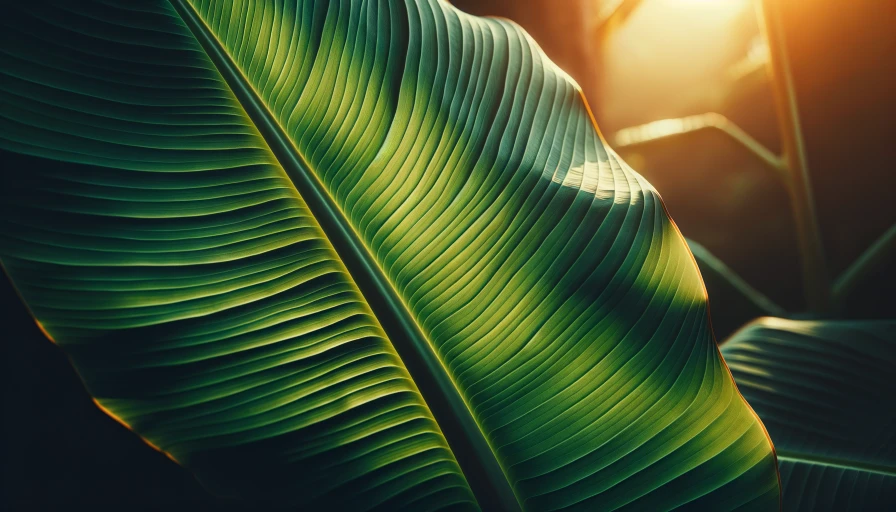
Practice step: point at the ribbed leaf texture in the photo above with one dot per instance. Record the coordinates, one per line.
(825, 391)
(363, 254)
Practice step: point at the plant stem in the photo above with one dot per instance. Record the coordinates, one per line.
(713, 267)
(877, 255)
(665, 128)
(816, 281)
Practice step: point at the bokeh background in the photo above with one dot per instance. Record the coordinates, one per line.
(638, 61)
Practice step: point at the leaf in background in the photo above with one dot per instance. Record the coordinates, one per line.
(293, 245)
(825, 391)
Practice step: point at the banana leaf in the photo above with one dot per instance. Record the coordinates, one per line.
(360, 254)
(826, 393)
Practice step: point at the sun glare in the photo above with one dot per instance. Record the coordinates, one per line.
(674, 56)
(712, 6)
(701, 1)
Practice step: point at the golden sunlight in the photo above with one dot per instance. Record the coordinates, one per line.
(724, 3)
(673, 55)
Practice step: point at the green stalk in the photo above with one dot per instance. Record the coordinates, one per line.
(880, 253)
(816, 281)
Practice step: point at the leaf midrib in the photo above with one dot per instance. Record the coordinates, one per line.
(477, 460)
(837, 463)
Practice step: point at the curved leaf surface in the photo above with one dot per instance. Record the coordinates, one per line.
(825, 392)
(294, 245)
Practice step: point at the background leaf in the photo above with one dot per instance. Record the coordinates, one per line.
(825, 392)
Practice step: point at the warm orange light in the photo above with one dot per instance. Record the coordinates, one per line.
(669, 59)
(44, 331)
(707, 7)
(123, 423)
(721, 2)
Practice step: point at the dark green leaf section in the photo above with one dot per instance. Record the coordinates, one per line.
(825, 391)
(544, 272)
(158, 241)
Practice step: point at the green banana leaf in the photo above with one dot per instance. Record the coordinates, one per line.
(360, 254)
(826, 393)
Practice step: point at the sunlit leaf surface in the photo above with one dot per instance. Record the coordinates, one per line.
(367, 254)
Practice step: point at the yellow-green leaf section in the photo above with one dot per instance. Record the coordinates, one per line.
(547, 308)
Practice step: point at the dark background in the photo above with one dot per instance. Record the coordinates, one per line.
(60, 450)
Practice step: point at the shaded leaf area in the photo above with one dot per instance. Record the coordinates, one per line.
(161, 245)
(825, 391)
(156, 238)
